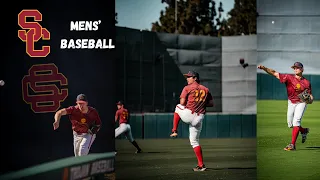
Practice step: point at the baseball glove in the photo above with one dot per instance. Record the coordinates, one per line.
(304, 96)
(93, 129)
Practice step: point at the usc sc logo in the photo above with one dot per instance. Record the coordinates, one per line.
(83, 120)
(34, 34)
(42, 88)
(298, 87)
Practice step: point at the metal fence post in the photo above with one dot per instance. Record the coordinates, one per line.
(154, 73)
(124, 70)
(141, 71)
(164, 82)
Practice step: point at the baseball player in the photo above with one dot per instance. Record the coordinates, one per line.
(193, 102)
(295, 85)
(85, 122)
(123, 115)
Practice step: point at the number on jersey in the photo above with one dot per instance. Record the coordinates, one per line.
(199, 95)
(124, 115)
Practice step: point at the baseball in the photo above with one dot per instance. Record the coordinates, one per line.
(272, 22)
(1, 82)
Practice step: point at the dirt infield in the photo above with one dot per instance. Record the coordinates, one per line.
(174, 159)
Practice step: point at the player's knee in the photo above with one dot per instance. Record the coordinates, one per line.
(176, 110)
(196, 123)
(194, 142)
(130, 138)
(83, 151)
(297, 122)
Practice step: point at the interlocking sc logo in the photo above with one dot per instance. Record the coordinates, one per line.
(34, 34)
(40, 88)
(298, 87)
(83, 121)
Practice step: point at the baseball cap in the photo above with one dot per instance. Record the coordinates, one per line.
(120, 103)
(82, 98)
(191, 74)
(297, 64)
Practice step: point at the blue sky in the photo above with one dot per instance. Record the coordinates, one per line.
(139, 14)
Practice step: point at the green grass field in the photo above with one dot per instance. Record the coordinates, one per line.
(273, 135)
(173, 159)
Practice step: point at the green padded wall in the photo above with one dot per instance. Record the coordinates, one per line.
(269, 87)
(136, 126)
(159, 125)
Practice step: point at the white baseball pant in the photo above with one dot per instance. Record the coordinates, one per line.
(126, 129)
(195, 123)
(82, 143)
(295, 113)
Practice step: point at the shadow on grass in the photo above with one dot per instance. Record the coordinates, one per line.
(312, 148)
(146, 152)
(227, 168)
(315, 147)
(155, 152)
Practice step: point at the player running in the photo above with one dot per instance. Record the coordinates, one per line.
(193, 102)
(123, 115)
(295, 85)
(85, 122)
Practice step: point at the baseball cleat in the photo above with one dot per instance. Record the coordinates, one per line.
(198, 168)
(290, 147)
(304, 135)
(138, 151)
(174, 134)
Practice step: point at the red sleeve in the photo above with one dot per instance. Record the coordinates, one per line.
(284, 78)
(184, 92)
(70, 109)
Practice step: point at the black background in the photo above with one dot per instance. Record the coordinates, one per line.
(28, 138)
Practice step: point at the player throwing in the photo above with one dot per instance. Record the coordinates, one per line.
(194, 99)
(85, 122)
(295, 85)
(123, 115)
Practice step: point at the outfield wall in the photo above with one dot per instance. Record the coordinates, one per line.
(99, 166)
(217, 125)
(269, 87)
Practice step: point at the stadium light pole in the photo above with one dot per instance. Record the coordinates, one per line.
(169, 2)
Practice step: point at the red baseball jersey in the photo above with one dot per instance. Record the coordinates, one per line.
(197, 96)
(294, 86)
(123, 115)
(81, 121)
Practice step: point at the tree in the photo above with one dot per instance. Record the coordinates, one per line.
(197, 17)
(243, 19)
(116, 18)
